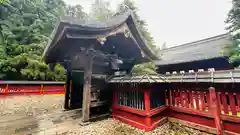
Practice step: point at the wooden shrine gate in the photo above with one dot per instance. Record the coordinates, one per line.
(147, 101)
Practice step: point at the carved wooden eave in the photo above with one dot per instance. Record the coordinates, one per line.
(70, 35)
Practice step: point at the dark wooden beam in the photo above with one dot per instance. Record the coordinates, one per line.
(87, 89)
(68, 85)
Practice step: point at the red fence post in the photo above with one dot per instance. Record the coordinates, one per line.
(202, 107)
(170, 97)
(166, 98)
(41, 89)
(224, 100)
(238, 100)
(181, 98)
(187, 99)
(6, 89)
(197, 99)
(191, 99)
(215, 110)
(232, 103)
(147, 107)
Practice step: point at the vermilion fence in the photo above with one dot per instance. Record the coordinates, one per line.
(31, 87)
(210, 110)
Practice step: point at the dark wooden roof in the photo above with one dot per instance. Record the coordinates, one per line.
(71, 34)
(195, 51)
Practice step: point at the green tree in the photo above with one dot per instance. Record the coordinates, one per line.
(75, 11)
(25, 27)
(100, 11)
(142, 28)
(233, 49)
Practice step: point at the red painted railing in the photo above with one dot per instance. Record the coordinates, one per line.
(138, 106)
(215, 112)
(208, 110)
(30, 87)
(196, 100)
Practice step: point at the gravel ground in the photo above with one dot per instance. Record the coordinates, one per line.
(16, 107)
(114, 127)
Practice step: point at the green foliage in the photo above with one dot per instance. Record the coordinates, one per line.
(141, 24)
(145, 68)
(233, 49)
(25, 27)
(100, 11)
(142, 28)
(3, 1)
(75, 11)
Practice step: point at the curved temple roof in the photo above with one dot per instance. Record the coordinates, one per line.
(71, 34)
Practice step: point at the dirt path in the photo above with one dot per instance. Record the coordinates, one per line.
(115, 127)
(17, 107)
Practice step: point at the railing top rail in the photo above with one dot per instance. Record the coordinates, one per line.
(224, 76)
(30, 82)
(138, 78)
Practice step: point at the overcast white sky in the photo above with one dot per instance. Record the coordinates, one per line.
(177, 21)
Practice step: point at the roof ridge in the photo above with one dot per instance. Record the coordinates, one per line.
(209, 39)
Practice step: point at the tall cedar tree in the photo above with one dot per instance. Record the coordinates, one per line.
(233, 50)
(142, 28)
(25, 26)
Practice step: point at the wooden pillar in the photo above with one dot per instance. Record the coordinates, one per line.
(6, 89)
(171, 97)
(87, 89)
(41, 89)
(68, 87)
(114, 98)
(147, 107)
(215, 110)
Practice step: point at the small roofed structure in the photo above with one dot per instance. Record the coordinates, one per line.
(117, 37)
(201, 54)
(138, 99)
(95, 48)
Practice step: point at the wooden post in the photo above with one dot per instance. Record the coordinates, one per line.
(115, 98)
(191, 99)
(41, 89)
(6, 89)
(87, 89)
(215, 110)
(170, 97)
(68, 87)
(232, 104)
(166, 98)
(147, 107)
